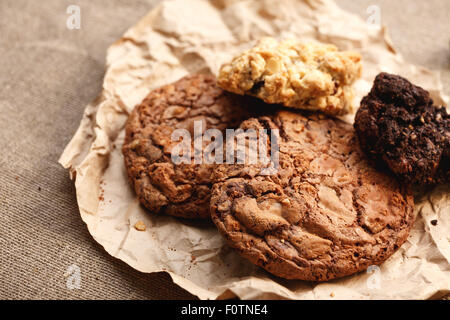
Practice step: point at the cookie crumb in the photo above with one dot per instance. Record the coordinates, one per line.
(332, 294)
(286, 201)
(140, 226)
(434, 222)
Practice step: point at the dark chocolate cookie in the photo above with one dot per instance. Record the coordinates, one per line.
(398, 125)
(326, 213)
(183, 189)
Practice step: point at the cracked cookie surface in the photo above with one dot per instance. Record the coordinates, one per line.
(184, 189)
(325, 214)
(399, 126)
(311, 76)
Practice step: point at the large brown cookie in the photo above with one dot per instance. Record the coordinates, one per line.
(181, 190)
(325, 214)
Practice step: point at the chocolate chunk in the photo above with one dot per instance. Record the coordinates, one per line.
(399, 127)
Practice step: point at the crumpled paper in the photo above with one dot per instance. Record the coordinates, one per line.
(183, 37)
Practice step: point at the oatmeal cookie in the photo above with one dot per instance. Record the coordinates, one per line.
(311, 76)
(399, 127)
(182, 189)
(325, 214)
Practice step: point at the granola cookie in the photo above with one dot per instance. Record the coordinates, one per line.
(399, 127)
(325, 214)
(183, 189)
(311, 76)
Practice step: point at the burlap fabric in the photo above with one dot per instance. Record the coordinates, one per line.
(48, 73)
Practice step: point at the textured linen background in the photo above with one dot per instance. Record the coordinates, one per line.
(48, 74)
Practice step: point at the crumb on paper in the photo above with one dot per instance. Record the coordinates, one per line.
(101, 197)
(140, 226)
(434, 222)
(332, 294)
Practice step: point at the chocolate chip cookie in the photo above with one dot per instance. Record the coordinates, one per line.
(324, 214)
(303, 75)
(399, 127)
(182, 189)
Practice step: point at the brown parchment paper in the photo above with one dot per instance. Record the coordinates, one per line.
(180, 37)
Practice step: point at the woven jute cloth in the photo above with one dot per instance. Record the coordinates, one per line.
(48, 74)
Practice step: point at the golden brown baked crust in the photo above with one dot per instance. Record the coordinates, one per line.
(311, 76)
(325, 214)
